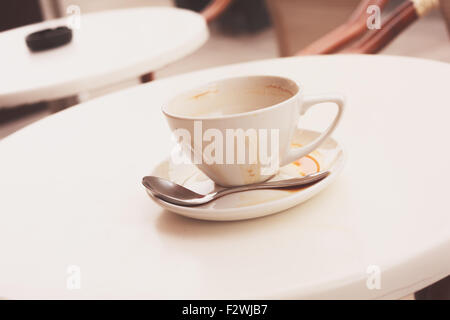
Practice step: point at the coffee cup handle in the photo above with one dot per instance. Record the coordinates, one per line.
(296, 153)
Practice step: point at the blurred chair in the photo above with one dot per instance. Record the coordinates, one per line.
(363, 40)
(445, 7)
(299, 22)
(310, 33)
(352, 28)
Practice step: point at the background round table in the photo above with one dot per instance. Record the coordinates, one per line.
(109, 47)
(71, 195)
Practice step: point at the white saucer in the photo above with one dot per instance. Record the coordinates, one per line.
(255, 203)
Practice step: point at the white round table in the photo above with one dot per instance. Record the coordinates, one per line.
(71, 197)
(109, 47)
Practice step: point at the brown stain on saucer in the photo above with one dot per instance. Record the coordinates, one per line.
(298, 164)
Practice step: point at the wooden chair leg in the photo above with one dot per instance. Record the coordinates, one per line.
(63, 103)
(147, 77)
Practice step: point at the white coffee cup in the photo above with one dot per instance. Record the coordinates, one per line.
(248, 114)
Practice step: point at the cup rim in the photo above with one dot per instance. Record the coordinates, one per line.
(234, 115)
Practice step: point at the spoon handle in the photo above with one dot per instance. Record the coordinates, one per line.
(295, 182)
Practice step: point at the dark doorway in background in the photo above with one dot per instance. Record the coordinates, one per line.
(15, 13)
